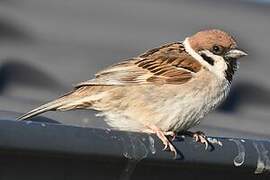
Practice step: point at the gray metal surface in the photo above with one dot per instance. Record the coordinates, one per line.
(52, 151)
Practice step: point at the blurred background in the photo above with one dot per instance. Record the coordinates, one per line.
(48, 46)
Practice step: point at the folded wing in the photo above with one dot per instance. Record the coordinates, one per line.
(168, 64)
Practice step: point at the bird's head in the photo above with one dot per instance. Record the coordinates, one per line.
(216, 50)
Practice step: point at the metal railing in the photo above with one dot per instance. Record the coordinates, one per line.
(57, 150)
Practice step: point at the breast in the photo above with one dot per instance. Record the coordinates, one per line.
(194, 101)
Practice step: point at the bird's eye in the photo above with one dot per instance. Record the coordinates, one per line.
(218, 50)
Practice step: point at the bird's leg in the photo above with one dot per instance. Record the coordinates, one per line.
(170, 133)
(162, 136)
(199, 137)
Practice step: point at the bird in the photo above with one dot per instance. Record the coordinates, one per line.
(163, 91)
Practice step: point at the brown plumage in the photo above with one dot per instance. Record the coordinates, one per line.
(168, 64)
(206, 39)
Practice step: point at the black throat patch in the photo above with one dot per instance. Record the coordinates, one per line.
(208, 59)
(231, 68)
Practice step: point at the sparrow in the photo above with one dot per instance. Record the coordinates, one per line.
(163, 91)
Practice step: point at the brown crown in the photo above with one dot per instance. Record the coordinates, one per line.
(208, 38)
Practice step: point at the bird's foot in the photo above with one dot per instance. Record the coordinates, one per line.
(170, 133)
(199, 137)
(162, 136)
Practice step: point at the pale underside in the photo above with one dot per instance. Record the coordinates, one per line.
(169, 107)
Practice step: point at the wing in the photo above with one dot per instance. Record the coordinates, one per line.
(168, 64)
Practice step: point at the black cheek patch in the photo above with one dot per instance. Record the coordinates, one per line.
(208, 59)
(231, 68)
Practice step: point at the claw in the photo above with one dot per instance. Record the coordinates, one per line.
(170, 133)
(202, 139)
(199, 137)
(165, 147)
(162, 136)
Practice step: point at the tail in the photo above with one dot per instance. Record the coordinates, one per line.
(79, 98)
(51, 106)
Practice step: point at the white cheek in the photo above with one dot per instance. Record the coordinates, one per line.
(219, 66)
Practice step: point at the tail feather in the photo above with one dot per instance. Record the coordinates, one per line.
(50, 106)
(44, 108)
(76, 99)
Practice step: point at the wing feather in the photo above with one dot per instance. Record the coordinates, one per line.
(168, 64)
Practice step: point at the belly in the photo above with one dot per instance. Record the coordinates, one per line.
(171, 108)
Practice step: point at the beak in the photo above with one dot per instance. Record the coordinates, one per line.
(235, 54)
